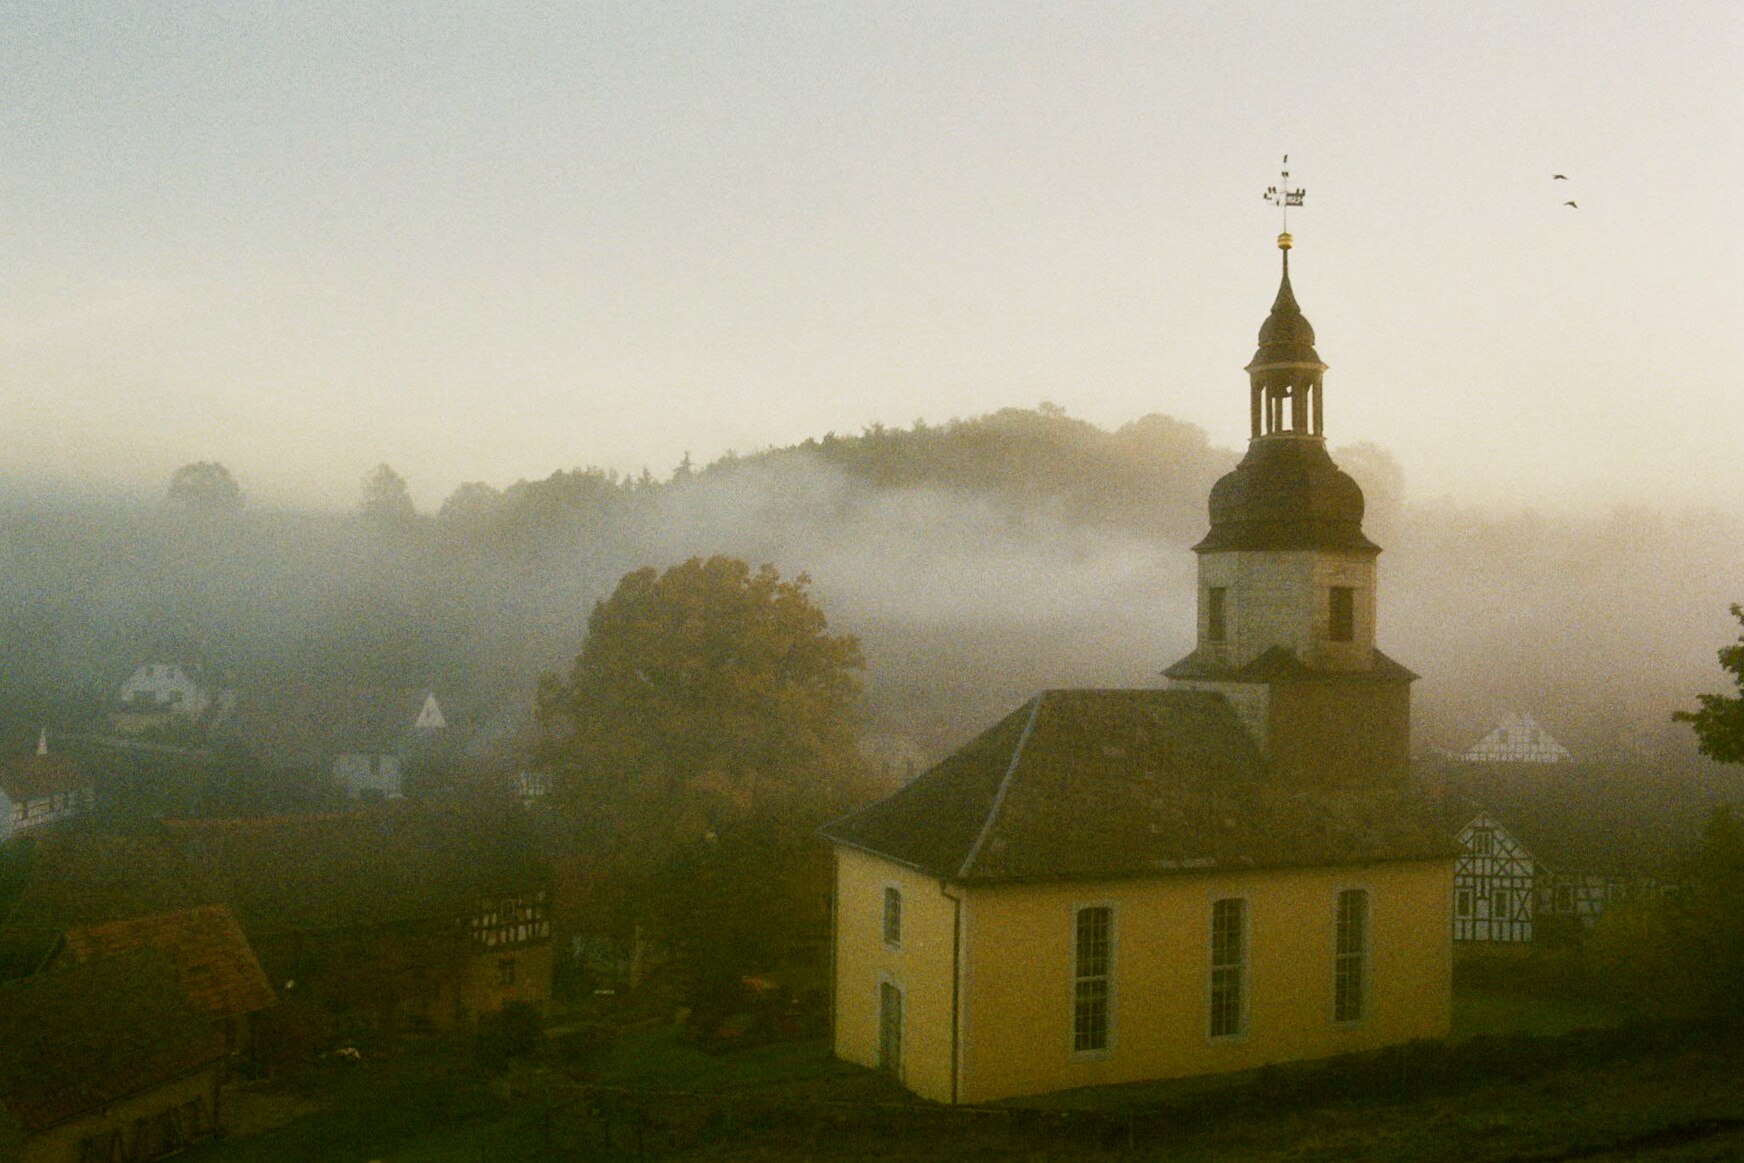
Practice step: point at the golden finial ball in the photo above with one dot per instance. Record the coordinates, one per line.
(1285, 241)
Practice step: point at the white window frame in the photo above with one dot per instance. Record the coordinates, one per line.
(1243, 966)
(1107, 978)
(892, 892)
(1362, 957)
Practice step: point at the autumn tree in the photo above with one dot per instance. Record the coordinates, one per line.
(706, 728)
(204, 487)
(702, 695)
(1719, 724)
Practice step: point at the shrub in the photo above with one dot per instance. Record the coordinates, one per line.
(515, 1031)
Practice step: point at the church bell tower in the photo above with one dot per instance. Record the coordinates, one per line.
(1287, 604)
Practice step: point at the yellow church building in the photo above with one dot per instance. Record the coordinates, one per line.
(1117, 885)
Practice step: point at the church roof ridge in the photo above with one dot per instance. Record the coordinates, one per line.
(1096, 784)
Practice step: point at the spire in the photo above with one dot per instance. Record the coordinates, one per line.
(1286, 371)
(1286, 300)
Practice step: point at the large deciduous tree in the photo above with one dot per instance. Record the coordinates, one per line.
(705, 730)
(704, 695)
(1719, 724)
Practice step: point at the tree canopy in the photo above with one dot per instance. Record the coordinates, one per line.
(205, 487)
(385, 497)
(706, 694)
(1719, 724)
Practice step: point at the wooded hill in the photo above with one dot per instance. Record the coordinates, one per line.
(978, 560)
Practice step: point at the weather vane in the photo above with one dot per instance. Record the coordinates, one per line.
(1283, 198)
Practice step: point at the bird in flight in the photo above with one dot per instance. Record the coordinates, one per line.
(1559, 177)
(1571, 204)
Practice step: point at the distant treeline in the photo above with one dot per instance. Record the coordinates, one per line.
(978, 560)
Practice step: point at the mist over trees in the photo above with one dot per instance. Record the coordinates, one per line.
(976, 561)
(204, 487)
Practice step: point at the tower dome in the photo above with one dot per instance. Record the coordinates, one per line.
(1286, 493)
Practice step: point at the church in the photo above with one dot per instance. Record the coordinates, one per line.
(1229, 870)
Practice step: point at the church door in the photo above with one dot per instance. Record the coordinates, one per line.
(890, 1029)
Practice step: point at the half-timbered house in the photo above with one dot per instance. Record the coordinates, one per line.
(1494, 884)
(407, 916)
(41, 789)
(1518, 738)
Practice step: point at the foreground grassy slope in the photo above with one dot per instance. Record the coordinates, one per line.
(1663, 1098)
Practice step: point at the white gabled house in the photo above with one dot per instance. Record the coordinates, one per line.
(1517, 738)
(164, 688)
(1494, 884)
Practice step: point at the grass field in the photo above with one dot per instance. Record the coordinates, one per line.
(1667, 1099)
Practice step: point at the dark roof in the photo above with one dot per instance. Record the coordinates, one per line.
(1578, 818)
(74, 1040)
(297, 874)
(310, 726)
(1286, 337)
(80, 878)
(363, 869)
(1087, 784)
(1286, 494)
(1279, 664)
(214, 963)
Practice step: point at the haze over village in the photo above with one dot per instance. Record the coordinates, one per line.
(895, 582)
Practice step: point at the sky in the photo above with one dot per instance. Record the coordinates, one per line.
(489, 241)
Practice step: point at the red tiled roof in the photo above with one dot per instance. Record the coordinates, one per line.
(78, 1039)
(213, 959)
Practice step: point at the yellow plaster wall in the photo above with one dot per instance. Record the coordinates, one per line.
(1017, 985)
(921, 967)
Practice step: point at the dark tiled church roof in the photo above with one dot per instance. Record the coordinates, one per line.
(1087, 784)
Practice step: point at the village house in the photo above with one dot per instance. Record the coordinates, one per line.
(213, 961)
(1521, 863)
(1518, 738)
(40, 789)
(167, 695)
(108, 1059)
(405, 916)
(1116, 885)
(367, 740)
(1495, 884)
